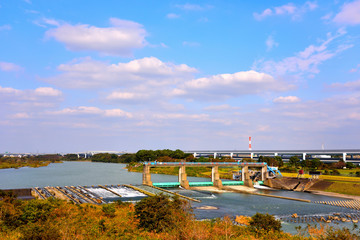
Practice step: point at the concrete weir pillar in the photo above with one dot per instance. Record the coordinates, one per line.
(183, 178)
(146, 176)
(264, 173)
(215, 177)
(344, 157)
(246, 177)
(304, 156)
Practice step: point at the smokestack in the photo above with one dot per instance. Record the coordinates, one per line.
(249, 143)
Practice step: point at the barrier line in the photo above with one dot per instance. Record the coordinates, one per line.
(140, 190)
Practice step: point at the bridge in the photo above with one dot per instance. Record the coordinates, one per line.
(215, 177)
(348, 155)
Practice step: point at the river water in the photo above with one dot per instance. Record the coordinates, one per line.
(228, 204)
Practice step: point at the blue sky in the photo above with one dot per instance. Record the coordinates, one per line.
(129, 75)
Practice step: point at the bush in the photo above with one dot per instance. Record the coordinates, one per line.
(159, 213)
(338, 234)
(264, 222)
(109, 210)
(39, 232)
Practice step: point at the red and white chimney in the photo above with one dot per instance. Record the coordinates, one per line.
(249, 143)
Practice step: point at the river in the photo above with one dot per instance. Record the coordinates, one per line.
(231, 204)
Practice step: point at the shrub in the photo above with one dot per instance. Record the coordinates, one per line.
(338, 234)
(264, 222)
(39, 232)
(159, 213)
(109, 210)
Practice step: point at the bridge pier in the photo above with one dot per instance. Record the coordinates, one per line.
(344, 157)
(146, 176)
(264, 173)
(245, 177)
(183, 178)
(215, 177)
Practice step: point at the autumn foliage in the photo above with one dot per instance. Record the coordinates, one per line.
(155, 217)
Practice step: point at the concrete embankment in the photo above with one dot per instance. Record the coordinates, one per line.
(250, 191)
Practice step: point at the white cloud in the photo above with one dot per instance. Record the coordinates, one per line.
(306, 61)
(52, 22)
(172, 15)
(349, 14)
(21, 115)
(88, 73)
(128, 96)
(219, 108)
(288, 99)
(270, 43)
(83, 110)
(193, 7)
(355, 69)
(12, 94)
(230, 85)
(5, 27)
(48, 91)
(288, 9)
(120, 39)
(9, 67)
(351, 86)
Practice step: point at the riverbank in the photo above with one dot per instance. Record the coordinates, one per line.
(16, 163)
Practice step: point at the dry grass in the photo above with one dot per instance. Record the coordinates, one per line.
(327, 177)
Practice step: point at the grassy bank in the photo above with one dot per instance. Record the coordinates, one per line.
(13, 163)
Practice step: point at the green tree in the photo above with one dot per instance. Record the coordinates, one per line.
(127, 158)
(316, 163)
(294, 161)
(279, 160)
(145, 155)
(177, 154)
(159, 213)
(264, 222)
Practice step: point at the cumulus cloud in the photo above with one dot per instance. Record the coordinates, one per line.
(83, 110)
(288, 99)
(9, 67)
(349, 14)
(306, 61)
(30, 94)
(288, 9)
(88, 73)
(120, 39)
(47, 91)
(230, 85)
(131, 97)
(270, 43)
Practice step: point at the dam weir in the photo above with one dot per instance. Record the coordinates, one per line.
(102, 194)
